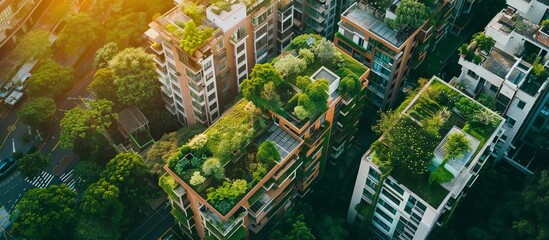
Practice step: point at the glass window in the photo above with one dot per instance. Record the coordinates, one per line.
(521, 104)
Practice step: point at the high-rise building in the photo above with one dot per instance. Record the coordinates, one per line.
(228, 183)
(365, 35)
(201, 70)
(414, 175)
(513, 73)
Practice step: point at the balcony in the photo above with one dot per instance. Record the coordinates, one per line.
(542, 36)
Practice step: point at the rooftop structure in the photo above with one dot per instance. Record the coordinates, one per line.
(512, 71)
(411, 178)
(265, 158)
(366, 35)
(202, 60)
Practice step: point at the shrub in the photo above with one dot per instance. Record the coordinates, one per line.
(456, 145)
(267, 153)
(302, 82)
(307, 55)
(197, 179)
(227, 191)
(258, 171)
(300, 112)
(198, 141)
(213, 167)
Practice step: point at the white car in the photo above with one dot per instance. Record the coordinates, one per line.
(22, 83)
(6, 90)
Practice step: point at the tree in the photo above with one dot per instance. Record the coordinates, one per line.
(300, 231)
(37, 112)
(192, 36)
(324, 49)
(78, 122)
(87, 172)
(269, 91)
(127, 171)
(484, 42)
(350, 86)
(127, 30)
(80, 30)
(290, 64)
(307, 55)
(197, 179)
(104, 55)
(169, 144)
(252, 111)
(300, 112)
(533, 222)
(410, 14)
(456, 145)
(91, 228)
(332, 229)
(302, 82)
(101, 199)
(50, 79)
(213, 167)
(135, 77)
(35, 44)
(267, 153)
(103, 85)
(193, 10)
(32, 164)
(45, 212)
(229, 190)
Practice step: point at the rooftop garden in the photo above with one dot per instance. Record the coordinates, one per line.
(406, 149)
(284, 85)
(223, 163)
(480, 44)
(192, 34)
(537, 76)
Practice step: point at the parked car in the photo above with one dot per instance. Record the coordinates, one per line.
(7, 166)
(22, 83)
(6, 90)
(14, 98)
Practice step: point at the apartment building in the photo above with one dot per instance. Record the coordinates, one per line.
(393, 197)
(263, 190)
(198, 85)
(507, 73)
(319, 16)
(364, 35)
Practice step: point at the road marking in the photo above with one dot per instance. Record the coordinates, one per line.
(55, 147)
(41, 180)
(9, 132)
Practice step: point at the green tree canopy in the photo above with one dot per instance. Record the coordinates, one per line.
(267, 153)
(128, 172)
(32, 164)
(324, 49)
(254, 88)
(456, 145)
(37, 112)
(197, 179)
(103, 85)
(349, 85)
(50, 79)
(193, 10)
(105, 54)
(192, 36)
(80, 30)
(300, 231)
(135, 77)
(35, 44)
(332, 229)
(101, 199)
(91, 228)
(484, 42)
(128, 30)
(169, 144)
(46, 212)
(78, 122)
(410, 14)
(87, 172)
(213, 167)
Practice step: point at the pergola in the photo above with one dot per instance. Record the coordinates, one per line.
(135, 126)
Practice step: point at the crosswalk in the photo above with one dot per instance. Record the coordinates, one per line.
(42, 180)
(69, 179)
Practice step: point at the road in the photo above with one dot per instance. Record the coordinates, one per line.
(154, 226)
(13, 131)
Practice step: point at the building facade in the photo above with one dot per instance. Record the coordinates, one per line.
(507, 74)
(199, 86)
(304, 147)
(364, 35)
(394, 202)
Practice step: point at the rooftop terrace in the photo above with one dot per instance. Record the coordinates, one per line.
(371, 19)
(499, 63)
(412, 150)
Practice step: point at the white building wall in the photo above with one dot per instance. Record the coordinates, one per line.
(533, 10)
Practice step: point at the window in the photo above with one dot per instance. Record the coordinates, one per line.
(210, 87)
(213, 106)
(391, 197)
(211, 97)
(240, 47)
(344, 46)
(220, 45)
(493, 88)
(384, 215)
(521, 104)
(207, 65)
(511, 122)
(472, 74)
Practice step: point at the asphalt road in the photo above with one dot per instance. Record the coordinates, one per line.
(13, 132)
(154, 226)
